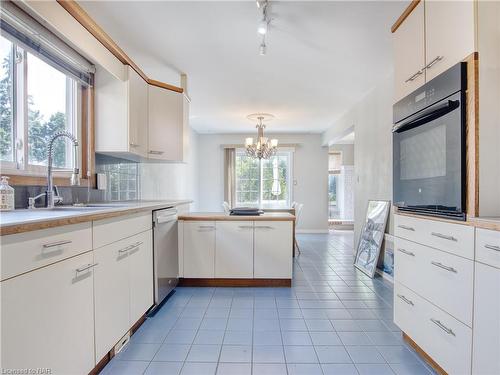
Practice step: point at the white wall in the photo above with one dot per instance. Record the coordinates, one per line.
(347, 152)
(372, 120)
(172, 180)
(310, 173)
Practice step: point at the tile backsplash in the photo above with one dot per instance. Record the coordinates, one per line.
(122, 184)
(122, 178)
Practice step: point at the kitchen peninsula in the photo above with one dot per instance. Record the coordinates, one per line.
(217, 249)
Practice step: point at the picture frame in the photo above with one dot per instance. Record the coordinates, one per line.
(372, 236)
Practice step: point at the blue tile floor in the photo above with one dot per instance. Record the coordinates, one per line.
(334, 320)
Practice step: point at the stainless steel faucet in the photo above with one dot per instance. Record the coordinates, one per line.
(52, 194)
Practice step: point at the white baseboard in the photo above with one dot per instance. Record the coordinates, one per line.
(312, 231)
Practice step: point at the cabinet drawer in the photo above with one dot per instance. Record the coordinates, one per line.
(453, 238)
(488, 247)
(27, 251)
(446, 340)
(111, 230)
(445, 280)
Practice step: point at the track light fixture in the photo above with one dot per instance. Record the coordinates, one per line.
(263, 26)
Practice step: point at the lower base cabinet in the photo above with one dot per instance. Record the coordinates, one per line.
(123, 288)
(234, 249)
(48, 318)
(486, 339)
(273, 250)
(199, 249)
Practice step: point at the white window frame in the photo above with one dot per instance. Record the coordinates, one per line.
(290, 153)
(20, 165)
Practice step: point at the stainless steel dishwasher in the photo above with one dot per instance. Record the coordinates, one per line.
(165, 255)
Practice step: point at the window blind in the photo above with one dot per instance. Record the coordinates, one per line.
(19, 27)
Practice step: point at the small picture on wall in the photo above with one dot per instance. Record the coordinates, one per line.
(371, 236)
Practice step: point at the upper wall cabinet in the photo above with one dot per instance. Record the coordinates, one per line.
(121, 114)
(449, 29)
(409, 53)
(434, 36)
(168, 124)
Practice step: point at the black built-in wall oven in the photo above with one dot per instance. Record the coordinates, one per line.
(429, 147)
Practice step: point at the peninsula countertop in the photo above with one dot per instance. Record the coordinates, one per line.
(222, 216)
(24, 220)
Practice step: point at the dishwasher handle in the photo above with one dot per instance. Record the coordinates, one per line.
(167, 217)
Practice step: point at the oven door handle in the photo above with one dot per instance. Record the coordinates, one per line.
(427, 115)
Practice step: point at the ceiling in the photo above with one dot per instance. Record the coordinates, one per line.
(322, 57)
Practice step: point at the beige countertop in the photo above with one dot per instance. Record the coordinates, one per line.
(221, 216)
(24, 220)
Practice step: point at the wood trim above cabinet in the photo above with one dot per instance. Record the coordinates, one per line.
(79, 14)
(405, 14)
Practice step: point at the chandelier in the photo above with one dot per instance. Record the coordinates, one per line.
(262, 147)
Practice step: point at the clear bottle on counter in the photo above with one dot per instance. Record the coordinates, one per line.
(6, 195)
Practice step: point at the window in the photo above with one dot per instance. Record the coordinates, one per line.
(41, 101)
(45, 88)
(264, 183)
(334, 165)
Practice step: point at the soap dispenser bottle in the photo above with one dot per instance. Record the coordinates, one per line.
(6, 195)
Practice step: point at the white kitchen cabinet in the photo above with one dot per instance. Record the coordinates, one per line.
(488, 247)
(141, 276)
(112, 295)
(48, 318)
(409, 53)
(199, 249)
(449, 34)
(121, 110)
(168, 122)
(273, 249)
(486, 336)
(234, 249)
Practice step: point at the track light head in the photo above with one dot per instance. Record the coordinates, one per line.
(263, 49)
(262, 28)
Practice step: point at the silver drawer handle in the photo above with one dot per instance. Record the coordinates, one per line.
(492, 247)
(447, 268)
(87, 267)
(406, 228)
(444, 236)
(413, 77)
(245, 227)
(155, 152)
(263, 227)
(406, 252)
(405, 299)
(54, 244)
(436, 59)
(134, 145)
(130, 247)
(206, 227)
(443, 327)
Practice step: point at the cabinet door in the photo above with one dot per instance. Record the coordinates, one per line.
(199, 249)
(449, 28)
(137, 113)
(409, 53)
(234, 249)
(141, 275)
(273, 249)
(165, 124)
(111, 295)
(486, 333)
(48, 318)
